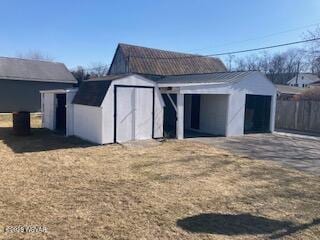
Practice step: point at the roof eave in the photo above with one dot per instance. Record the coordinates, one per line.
(38, 80)
(192, 84)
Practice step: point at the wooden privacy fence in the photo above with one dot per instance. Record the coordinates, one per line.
(298, 115)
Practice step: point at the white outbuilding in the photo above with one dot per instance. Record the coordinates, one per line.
(218, 104)
(120, 108)
(107, 110)
(57, 110)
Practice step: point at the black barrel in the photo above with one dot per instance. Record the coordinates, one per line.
(21, 123)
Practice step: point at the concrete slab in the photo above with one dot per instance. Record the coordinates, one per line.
(299, 152)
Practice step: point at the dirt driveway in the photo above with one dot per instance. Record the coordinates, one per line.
(302, 153)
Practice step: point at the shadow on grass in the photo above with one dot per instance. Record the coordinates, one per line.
(241, 224)
(40, 140)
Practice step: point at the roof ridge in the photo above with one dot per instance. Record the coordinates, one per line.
(145, 60)
(167, 51)
(34, 70)
(173, 75)
(110, 77)
(26, 59)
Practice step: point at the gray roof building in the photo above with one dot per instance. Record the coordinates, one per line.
(285, 89)
(21, 81)
(34, 70)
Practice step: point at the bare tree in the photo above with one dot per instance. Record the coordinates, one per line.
(230, 58)
(241, 64)
(80, 74)
(280, 67)
(36, 55)
(315, 46)
(98, 69)
(313, 49)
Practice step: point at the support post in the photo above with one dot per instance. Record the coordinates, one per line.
(180, 116)
(273, 112)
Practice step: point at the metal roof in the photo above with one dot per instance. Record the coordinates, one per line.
(218, 78)
(109, 77)
(34, 70)
(92, 92)
(310, 76)
(143, 60)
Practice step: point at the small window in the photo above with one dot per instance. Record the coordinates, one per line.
(302, 77)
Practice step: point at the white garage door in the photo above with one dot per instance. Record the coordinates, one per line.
(134, 113)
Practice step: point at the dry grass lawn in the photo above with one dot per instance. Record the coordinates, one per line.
(171, 190)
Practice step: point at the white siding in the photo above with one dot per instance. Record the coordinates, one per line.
(180, 116)
(88, 123)
(235, 115)
(48, 110)
(255, 83)
(70, 113)
(213, 114)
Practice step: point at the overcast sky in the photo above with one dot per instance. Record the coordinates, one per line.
(85, 32)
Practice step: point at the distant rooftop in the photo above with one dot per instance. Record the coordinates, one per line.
(34, 70)
(285, 89)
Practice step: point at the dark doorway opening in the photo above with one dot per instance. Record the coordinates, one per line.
(195, 111)
(257, 114)
(170, 116)
(61, 115)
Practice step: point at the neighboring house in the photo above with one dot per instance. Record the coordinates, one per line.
(151, 93)
(303, 80)
(286, 92)
(21, 80)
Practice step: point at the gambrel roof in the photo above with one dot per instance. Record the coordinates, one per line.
(93, 91)
(143, 60)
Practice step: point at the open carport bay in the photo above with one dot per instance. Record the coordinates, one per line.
(205, 114)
